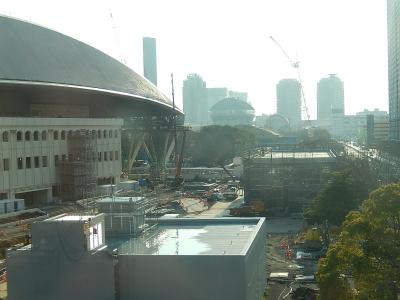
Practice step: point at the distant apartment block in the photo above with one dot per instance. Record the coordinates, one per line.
(366, 126)
(195, 102)
(150, 59)
(288, 95)
(330, 97)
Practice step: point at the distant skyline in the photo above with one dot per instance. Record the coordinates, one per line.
(227, 42)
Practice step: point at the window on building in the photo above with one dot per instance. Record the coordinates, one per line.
(28, 163)
(36, 135)
(116, 155)
(44, 161)
(44, 135)
(111, 155)
(110, 133)
(115, 133)
(70, 157)
(19, 136)
(6, 164)
(55, 135)
(55, 160)
(99, 156)
(105, 134)
(20, 163)
(105, 156)
(63, 135)
(63, 157)
(5, 136)
(27, 135)
(36, 161)
(99, 134)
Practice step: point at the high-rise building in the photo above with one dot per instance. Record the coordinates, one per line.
(195, 103)
(288, 94)
(213, 96)
(150, 59)
(216, 94)
(393, 27)
(330, 97)
(238, 95)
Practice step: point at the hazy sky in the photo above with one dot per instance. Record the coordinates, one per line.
(227, 41)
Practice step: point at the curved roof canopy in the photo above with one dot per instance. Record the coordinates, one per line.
(31, 54)
(231, 104)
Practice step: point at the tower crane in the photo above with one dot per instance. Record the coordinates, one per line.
(295, 64)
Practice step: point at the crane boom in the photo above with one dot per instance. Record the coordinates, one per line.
(295, 65)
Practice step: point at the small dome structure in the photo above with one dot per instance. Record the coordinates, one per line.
(232, 111)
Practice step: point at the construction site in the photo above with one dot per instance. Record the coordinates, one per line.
(286, 181)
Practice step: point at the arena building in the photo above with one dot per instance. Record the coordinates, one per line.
(63, 108)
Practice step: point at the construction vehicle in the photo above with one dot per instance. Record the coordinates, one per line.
(254, 208)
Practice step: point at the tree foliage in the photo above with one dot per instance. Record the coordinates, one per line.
(367, 251)
(217, 145)
(342, 194)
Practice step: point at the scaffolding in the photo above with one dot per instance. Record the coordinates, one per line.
(78, 172)
(286, 181)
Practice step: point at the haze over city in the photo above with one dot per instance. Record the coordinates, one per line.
(227, 42)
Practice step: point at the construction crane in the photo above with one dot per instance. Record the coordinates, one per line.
(178, 180)
(295, 64)
(117, 40)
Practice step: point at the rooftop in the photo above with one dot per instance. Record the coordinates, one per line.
(71, 218)
(220, 236)
(120, 199)
(298, 155)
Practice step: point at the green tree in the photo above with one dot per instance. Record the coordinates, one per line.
(368, 249)
(217, 145)
(341, 195)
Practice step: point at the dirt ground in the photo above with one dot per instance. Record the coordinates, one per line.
(282, 230)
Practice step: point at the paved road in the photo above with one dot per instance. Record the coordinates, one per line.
(220, 209)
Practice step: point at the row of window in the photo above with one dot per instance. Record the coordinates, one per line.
(101, 156)
(34, 162)
(29, 162)
(27, 136)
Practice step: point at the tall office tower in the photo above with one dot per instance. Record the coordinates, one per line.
(214, 95)
(288, 95)
(330, 97)
(195, 104)
(393, 27)
(150, 59)
(238, 95)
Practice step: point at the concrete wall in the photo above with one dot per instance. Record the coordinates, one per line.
(50, 275)
(59, 265)
(255, 265)
(181, 277)
(42, 177)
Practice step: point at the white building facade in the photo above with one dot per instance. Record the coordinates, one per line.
(30, 149)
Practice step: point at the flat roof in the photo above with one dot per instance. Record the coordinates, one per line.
(120, 199)
(219, 236)
(298, 155)
(73, 218)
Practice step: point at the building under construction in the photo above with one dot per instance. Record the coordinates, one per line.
(78, 171)
(286, 181)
